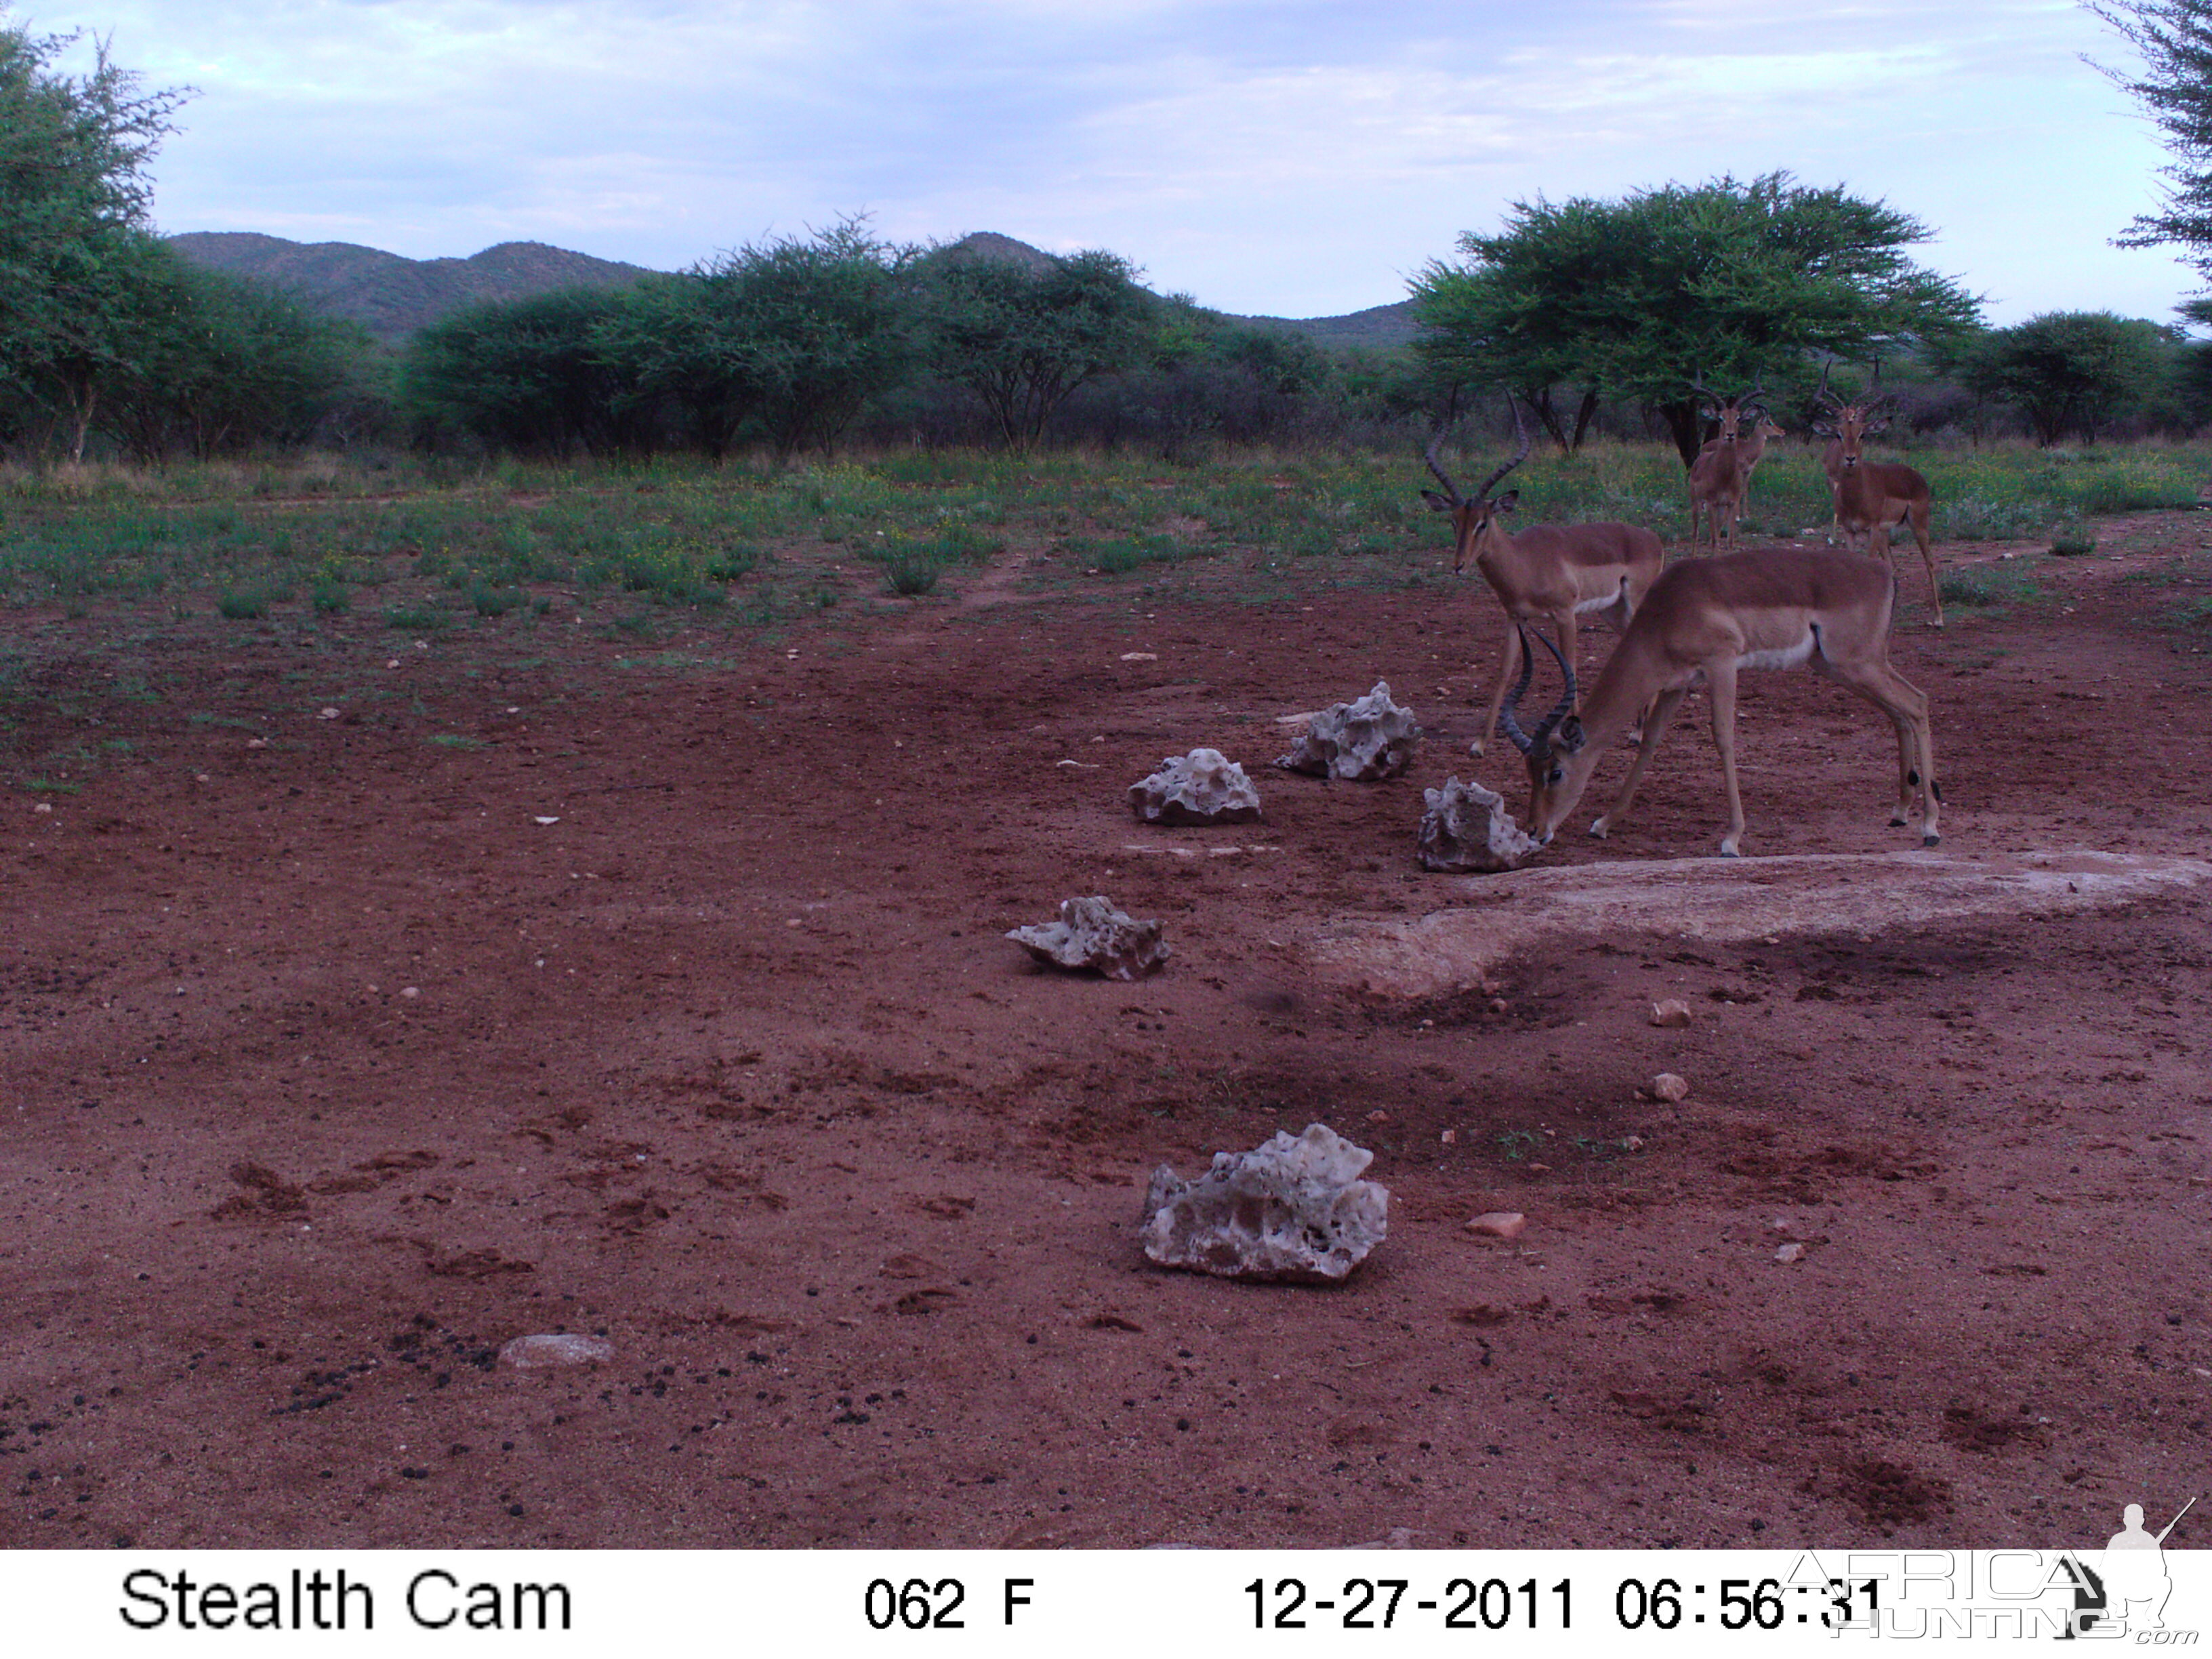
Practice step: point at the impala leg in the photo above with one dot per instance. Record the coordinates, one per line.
(1918, 516)
(1509, 666)
(1655, 727)
(1906, 705)
(1720, 691)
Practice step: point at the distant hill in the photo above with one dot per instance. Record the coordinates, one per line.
(1376, 329)
(392, 296)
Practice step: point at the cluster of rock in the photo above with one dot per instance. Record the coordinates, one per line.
(1361, 741)
(1204, 786)
(1468, 830)
(1092, 934)
(1294, 1208)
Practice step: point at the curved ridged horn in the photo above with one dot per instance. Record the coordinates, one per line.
(1551, 721)
(1507, 725)
(1451, 489)
(1520, 431)
(1822, 392)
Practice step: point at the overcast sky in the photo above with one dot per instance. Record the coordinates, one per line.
(1264, 155)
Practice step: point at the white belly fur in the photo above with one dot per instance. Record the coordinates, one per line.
(1788, 657)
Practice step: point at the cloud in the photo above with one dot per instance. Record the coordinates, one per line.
(1294, 158)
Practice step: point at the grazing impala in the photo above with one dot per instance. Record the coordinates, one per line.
(1558, 571)
(1720, 477)
(1709, 619)
(1873, 496)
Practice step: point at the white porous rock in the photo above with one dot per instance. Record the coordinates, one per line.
(1204, 786)
(1468, 830)
(1361, 741)
(1292, 1209)
(556, 1348)
(1091, 933)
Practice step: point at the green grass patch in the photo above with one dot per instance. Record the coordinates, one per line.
(416, 618)
(456, 740)
(1986, 589)
(2073, 541)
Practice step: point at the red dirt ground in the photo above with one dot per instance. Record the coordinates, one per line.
(330, 1068)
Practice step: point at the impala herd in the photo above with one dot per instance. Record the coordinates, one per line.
(1701, 621)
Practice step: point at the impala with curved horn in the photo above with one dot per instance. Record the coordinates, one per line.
(1720, 477)
(1558, 571)
(1709, 619)
(1874, 495)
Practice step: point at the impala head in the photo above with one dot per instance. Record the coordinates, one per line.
(1474, 518)
(1557, 768)
(1850, 424)
(1731, 412)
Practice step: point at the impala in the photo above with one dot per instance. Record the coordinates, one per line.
(1873, 496)
(1721, 476)
(1709, 619)
(1558, 571)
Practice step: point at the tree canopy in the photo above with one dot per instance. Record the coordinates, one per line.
(2079, 371)
(1630, 299)
(2175, 88)
(1023, 338)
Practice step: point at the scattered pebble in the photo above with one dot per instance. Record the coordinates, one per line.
(1632, 1143)
(1378, 1117)
(1792, 1252)
(257, 743)
(562, 1349)
(548, 820)
(44, 806)
(1450, 1137)
(332, 714)
(1141, 656)
(1668, 1086)
(1673, 1013)
(409, 991)
(1498, 1224)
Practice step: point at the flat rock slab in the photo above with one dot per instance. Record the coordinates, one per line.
(1729, 899)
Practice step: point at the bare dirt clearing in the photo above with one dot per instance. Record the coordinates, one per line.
(536, 990)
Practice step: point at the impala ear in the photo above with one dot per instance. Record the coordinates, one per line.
(1505, 504)
(1437, 503)
(1571, 736)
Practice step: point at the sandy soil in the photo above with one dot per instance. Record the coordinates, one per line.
(672, 1006)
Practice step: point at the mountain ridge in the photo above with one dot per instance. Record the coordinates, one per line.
(392, 296)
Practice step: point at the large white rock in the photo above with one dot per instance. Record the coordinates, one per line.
(1294, 1208)
(1091, 933)
(1468, 830)
(1372, 738)
(1204, 786)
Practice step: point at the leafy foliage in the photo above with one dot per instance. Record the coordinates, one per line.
(2076, 371)
(1023, 338)
(1629, 298)
(2175, 88)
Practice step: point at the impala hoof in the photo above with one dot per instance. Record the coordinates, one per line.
(1898, 821)
(1727, 850)
(1601, 829)
(1475, 748)
(1930, 840)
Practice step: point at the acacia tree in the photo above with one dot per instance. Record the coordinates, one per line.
(2175, 88)
(2074, 370)
(78, 258)
(1023, 337)
(786, 339)
(1731, 280)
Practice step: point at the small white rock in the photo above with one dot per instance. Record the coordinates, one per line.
(548, 820)
(44, 806)
(332, 714)
(1668, 1086)
(1673, 1014)
(565, 1348)
(1498, 1224)
(1792, 1252)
